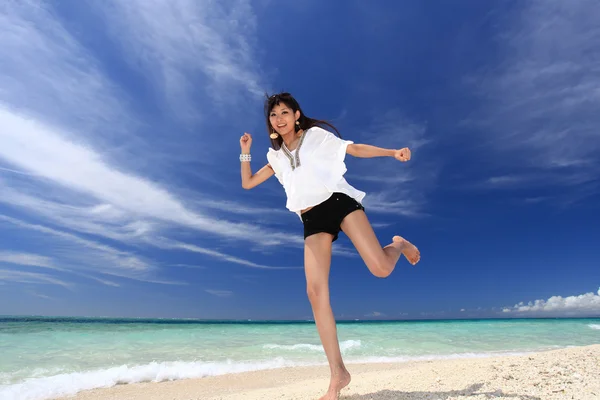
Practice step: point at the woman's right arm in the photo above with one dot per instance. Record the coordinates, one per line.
(250, 180)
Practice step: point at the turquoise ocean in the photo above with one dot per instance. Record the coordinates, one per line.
(45, 357)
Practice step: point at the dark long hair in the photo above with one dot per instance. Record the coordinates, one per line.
(305, 122)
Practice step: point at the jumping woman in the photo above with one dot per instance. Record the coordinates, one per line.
(308, 161)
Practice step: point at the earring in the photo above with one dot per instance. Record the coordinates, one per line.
(274, 135)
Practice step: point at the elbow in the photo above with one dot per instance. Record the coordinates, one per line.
(247, 185)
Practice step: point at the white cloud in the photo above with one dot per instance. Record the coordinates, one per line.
(81, 213)
(71, 142)
(32, 278)
(173, 244)
(536, 180)
(81, 257)
(380, 225)
(113, 259)
(375, 314)
(234, 207)
(189, 266)
(54, 120)
(27, 259)
(220, 293)
(13, 171)
(587, 304)
(41, 149)
(388, 201)
(540, 103)
(403, 177)
(401, 188)
(176, 43)
(44, 69)
(40, 295)
(35, 260)
(105, 281)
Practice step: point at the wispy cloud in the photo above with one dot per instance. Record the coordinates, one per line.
(537, 179)
(383, 179)
(41, 149)
(375, 314)
(105, 281)
(400, 188)
(78, 151)
(189, 266)
(35, 260)
(220, 293)
(388, 201)
(53, 136)
(587, 304)
(84, 257)
(13, 171)
(40, 295)
(380, 224)
(70, 87)
(112, 259)
(32, 278)
(188, 44)
(540, 104)
(27, 259)
(234, 207)
(173, 244)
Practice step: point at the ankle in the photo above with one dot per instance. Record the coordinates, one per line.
(339, 370)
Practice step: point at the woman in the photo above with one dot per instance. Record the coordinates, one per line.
(309, 163)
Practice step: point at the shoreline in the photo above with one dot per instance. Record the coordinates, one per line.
(567, 373)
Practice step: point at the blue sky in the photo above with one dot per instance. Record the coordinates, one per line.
(120, 188)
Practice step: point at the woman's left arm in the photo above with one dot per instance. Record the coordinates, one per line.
(368, 151)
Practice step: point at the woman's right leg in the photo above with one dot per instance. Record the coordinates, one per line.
(317, 262)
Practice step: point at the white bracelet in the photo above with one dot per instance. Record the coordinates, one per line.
(245, 157)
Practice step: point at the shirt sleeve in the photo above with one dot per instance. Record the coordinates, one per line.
(332, 145)
(274, 163)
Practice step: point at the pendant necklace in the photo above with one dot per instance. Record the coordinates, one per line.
(294, 161)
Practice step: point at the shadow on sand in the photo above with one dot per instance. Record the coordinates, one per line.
(472, 390)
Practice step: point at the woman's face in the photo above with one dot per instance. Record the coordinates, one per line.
(283, 119)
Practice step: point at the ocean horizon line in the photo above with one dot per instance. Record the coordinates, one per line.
(175, 320)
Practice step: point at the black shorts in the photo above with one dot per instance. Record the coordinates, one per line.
(328, 216)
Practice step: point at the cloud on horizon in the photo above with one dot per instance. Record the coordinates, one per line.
(584, 305)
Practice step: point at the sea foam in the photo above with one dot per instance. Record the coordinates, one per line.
(71, 383)
(344, 346)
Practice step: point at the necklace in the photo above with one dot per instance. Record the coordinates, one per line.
(294, 161)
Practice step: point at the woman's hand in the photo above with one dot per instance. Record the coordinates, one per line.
(402, 154)
(246, 142)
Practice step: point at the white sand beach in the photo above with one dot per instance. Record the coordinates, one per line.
(572, 373)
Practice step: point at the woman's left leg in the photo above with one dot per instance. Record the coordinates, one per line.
(381, 261)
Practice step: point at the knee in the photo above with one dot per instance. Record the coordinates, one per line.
(380, 268)
(381, 273)
(316, 292)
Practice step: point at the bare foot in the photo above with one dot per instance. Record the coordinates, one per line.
(336, 385)
(409, 250)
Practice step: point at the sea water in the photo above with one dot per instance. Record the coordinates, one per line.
(46, 357)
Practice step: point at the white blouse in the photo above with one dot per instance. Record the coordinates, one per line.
(315, 170)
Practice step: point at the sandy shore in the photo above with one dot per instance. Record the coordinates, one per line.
(572, 373)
